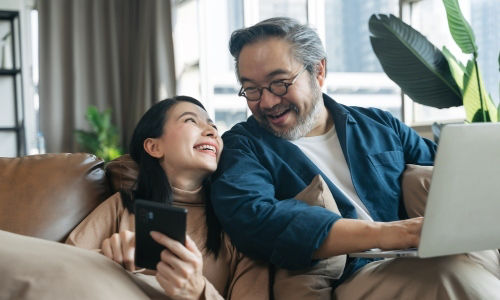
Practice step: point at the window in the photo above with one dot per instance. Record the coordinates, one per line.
(354, 74)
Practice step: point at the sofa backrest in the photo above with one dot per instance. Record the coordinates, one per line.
(47, 195)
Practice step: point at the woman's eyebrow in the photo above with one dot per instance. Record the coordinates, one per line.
(194, 115)
(187, 113)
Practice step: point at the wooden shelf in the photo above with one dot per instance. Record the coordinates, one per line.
(9, 129)
(10, 71)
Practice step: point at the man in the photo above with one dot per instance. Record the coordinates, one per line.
(296, 133)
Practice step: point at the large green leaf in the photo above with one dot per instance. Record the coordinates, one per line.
(460, 29)
(492, 109)
(456, 67)
(413, 62)
(498, 113)
(472, 102)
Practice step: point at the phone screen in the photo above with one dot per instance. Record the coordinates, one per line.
(152, 216)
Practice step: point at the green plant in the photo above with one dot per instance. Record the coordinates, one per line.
(103, 139)
(427, 75)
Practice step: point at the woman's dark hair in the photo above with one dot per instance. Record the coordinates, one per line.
(152, 182)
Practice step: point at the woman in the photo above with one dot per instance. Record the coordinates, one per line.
(176, 147)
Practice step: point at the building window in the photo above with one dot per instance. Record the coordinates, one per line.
(355, 76)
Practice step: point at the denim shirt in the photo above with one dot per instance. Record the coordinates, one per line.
(259, 174)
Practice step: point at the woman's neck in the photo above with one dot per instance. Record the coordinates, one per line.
(186, 182)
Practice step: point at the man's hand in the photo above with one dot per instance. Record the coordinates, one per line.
(120, 247)
(400, 234)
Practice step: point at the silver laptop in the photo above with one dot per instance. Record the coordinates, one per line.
(463, 207)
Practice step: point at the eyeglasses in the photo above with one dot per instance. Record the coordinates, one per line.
(278, 88)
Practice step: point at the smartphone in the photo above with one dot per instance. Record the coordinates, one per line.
(153, 216)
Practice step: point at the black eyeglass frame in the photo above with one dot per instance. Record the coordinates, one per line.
(241, 93)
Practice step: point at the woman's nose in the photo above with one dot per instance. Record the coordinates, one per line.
(211, 131)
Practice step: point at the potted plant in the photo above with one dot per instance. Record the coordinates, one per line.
(427, 75)
(103, 139)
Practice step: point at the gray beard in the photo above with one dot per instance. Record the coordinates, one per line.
(304, 124)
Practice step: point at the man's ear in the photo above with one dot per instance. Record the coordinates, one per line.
(152, 147)
(321, 72)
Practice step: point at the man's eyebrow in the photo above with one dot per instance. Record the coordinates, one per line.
(190, 113)
(268, 76)
(277, 72)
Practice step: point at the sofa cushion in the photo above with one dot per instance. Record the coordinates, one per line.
(34, 268)
(47, 195)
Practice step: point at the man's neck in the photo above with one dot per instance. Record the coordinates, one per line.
(323, 123)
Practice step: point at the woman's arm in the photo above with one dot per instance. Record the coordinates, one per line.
(99, 225)
(108, 230)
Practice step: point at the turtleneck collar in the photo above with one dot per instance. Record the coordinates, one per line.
(189, 197)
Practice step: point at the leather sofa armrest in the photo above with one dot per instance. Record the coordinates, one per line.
(47, 195)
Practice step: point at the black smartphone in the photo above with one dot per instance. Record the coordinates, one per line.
(152, 216)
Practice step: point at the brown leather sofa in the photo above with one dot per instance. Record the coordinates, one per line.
(47, 195)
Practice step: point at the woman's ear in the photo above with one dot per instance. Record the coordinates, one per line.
(152, 147)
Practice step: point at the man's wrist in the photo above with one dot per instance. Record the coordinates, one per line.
(377, 232)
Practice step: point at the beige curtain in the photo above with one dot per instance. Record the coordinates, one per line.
(114, 54)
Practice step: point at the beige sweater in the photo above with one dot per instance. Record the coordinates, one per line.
(232, 275)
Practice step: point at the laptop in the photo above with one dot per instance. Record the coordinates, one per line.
(463, 206)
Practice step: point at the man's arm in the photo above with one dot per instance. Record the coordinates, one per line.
(349, 235)
(285, 232)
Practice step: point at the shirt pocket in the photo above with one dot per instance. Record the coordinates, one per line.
(388, 166)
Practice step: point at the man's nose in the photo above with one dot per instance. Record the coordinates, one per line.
(268, 100)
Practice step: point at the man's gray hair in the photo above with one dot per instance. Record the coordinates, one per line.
(307, 47)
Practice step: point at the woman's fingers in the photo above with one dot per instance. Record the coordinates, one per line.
(180, 271)
(182, 268)
(170, 274)
(191, 245)
(127, 239)
(116, 247)
(106, 249)
(120, 247)
(170, 287)
(174, 246)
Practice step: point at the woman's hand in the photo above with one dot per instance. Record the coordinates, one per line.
(120, 247)
(180, 270)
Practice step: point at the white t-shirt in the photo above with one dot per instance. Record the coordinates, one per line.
(325, 152)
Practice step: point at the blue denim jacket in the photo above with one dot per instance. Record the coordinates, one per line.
(259, 174)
